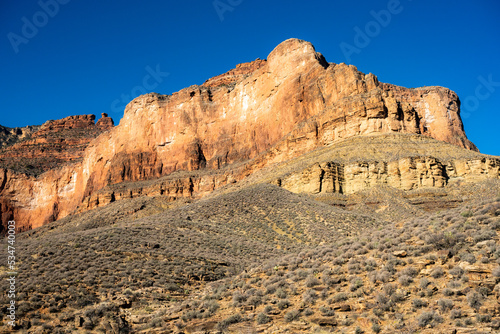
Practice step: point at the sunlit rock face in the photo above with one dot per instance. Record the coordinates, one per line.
(261, 112)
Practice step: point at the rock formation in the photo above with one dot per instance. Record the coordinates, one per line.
(50, 146)
(407, 174)
(53, 144)
(260, 113)
(105, 123)
(10, 136)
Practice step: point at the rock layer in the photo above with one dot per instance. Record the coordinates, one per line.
(260, 113)
(53, 144)
(406, 174)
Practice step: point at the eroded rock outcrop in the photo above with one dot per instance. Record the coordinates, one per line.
(406, 174)
(260, 113)
(10, 136)
(53, 144)
(105, 122)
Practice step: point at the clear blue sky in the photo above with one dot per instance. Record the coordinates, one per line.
(88, 56)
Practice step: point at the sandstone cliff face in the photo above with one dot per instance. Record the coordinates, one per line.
(235, 75)
(406, 174)
(29, 199)
(268, 111)
(53, 144)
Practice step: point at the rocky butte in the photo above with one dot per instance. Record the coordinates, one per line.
(261, 113)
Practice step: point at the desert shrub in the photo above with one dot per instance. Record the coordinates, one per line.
(281, 293)
(484, 235)
(467, 214)
(397, 297)
(405, 280)
(474, 300)
(484, 290)
(418, 303)
(437, 272)
(424, 282)
(448, 292)
(347, 322)
(381, 276)
(468, 257)
(310, 296)
(454, 284)
(233, 319)
(455, 313)
(445, 304)
(254, 301)
(302, 274)
(456, 272)
(356, 283)
(262, 318)
(327, 280)
(238, 298)
(390, 288)
(326, 311)
(429, 318)
(83, 300)
(384, 302)
(283, 304)
(354, 268)
(324, 294)
(172, 287)
(483, 318)
(312, 281)
(307, 312)
(379, 312)
(485, 260)
(376, 328)
(410, 271)
(341, 296)
(270, 289)
(193, 314)
(211, 306)
(382, 298)
(292, 315)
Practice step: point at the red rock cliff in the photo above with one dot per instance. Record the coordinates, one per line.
(53, 144)
(293, 102)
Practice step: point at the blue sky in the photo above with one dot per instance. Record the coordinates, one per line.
(89, 57)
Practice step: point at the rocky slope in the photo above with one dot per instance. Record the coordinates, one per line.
(10, 136)
(261, 113)
(263, 259)
(434, 274)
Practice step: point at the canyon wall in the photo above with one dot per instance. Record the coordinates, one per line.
(262, 112)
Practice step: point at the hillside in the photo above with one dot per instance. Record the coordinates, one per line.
(283, 261)
(97, 256)
(437, 273)
(288, 195)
